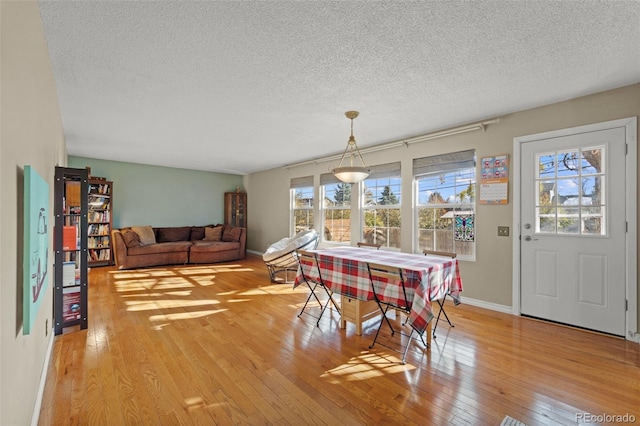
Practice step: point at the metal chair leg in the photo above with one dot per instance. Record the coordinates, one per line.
(384, 315)
(313, 293)
(326, 305)
(442, 311)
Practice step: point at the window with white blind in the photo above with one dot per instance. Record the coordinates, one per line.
(445, 203)
(301, 204)
(336, 209)
(381, 198)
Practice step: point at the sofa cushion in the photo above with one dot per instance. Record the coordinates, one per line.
(231, 233)
(177, 246)
(145, 233)
(131, 239)
(197, 233)
(213, 234)
(168, 235)
(213, 246)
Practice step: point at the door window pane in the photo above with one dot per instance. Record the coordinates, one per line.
(570, 196)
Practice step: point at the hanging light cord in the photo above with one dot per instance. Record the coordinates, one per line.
(351, 146)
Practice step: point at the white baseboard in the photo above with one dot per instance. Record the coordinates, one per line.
(35, 416)
(634, 337)
(259, 253)
(488, 305)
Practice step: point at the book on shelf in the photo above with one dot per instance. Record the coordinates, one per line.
(99, 202)
(98, 242)
(69, 237)
(99, 216)
(68, 274)
(101, 254)
(70, 303)
(98, 229)
(101, 188)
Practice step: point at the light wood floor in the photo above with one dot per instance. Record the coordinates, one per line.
(221, 344)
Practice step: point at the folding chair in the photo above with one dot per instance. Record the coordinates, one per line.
(381, 277)
(444, 299)
(372, 245)
(309, 258)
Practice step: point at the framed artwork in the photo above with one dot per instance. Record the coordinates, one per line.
(36, 245)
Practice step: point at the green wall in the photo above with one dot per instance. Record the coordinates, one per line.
(162, 196)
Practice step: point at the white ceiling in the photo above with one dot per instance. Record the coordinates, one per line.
(244, 86)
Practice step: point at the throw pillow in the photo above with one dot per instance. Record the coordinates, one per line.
(231, 233)
(172, 234)
(145, 233)
(213, 234)
(131, 239)
(197, 233)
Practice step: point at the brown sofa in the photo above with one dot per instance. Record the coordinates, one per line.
(144, 246)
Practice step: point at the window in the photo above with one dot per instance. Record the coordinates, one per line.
(570, 196)
(382, 195)
(336, 209)
(445, 203)
(302, 203)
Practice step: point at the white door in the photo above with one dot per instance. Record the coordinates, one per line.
(573, 225)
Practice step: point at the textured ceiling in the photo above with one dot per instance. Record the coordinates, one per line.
(243, 86)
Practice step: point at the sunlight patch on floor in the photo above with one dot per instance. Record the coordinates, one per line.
(184, 315)
(149, 305)
(212, 269)
(194, 402)
(268, 289)
(238, 300)
(145, 285)
(366, 366)
(184, 293)
(142, 273)
(279, 289)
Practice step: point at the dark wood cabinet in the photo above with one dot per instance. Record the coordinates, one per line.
(235, 209)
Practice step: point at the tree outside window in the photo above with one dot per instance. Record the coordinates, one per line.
(382, 222)
(337, 212)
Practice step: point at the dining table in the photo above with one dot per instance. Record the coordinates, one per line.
(344, 271)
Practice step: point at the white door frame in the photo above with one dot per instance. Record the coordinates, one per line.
(631, 128)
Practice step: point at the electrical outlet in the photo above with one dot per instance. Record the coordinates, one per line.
(503, 231)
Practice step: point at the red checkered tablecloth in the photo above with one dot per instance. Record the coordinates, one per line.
(344, 271)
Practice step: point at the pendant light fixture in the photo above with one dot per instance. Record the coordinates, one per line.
(351, 173)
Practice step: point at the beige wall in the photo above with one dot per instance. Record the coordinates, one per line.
(489, 278)
(30, 134)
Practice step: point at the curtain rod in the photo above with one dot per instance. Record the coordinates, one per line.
(406, 142)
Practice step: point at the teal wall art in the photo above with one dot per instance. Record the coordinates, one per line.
(36, 245)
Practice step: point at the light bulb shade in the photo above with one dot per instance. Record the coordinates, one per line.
(351, 174)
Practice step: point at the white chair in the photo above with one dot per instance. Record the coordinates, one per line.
(280, 257)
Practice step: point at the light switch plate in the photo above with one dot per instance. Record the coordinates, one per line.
(503, 231)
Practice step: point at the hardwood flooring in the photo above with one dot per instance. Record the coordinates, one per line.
(221, 344)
